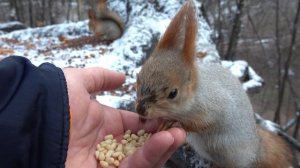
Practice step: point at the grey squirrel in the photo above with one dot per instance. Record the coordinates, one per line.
(105, 23)
(207, 101)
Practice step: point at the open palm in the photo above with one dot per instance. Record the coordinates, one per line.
(91, 121)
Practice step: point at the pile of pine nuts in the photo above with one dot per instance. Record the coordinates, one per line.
(111, 152)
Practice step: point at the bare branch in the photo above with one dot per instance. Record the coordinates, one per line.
(290, 140)
(279, 56)
(256, 33)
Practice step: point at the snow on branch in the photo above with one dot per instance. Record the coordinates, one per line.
(252, 83)
(275, 128)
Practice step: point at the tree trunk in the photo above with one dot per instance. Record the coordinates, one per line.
(220, 39)
(30, 13)
(78, 9)
(43, 15)
(69, 9)
(235, 31)
(50, 10)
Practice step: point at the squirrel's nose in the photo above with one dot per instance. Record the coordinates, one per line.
(140, 108)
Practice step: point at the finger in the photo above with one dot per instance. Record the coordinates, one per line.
(152, 151)
(179, 138)
(99, 79)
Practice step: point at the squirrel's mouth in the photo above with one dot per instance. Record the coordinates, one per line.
(166, 124)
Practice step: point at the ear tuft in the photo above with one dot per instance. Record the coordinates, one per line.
(182, 32)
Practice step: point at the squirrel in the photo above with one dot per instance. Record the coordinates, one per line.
(206, 100)
(106, 23)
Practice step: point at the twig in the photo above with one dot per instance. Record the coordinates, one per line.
(290, 140)
(289, 124)
(256, 33)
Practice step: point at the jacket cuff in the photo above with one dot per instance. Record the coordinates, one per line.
(56, 116)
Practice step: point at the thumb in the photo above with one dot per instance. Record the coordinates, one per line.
(151, 152)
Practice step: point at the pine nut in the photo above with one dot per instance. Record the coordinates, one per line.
(141, 132)
(124, 141)
(110, 136)
(119, 148)
(104, 164)
(110, 160)
(111, 152)
(126, 136)
(134, 137)
(101, 156)
(97, 154)
(116, 163)
(128, 132)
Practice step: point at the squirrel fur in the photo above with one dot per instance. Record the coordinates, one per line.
(104, 22)
(207, 100)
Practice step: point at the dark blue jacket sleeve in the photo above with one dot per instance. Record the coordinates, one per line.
(34, 115)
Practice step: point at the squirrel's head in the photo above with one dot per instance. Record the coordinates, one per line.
(168, 79)
(92, 20)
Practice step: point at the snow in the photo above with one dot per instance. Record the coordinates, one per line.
(52, 31)
(9, 24)
(240, 68)
(267, 124)
(237, 68)
(251, 84)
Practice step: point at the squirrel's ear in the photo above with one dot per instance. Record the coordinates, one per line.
(182, 32)
(91, 14)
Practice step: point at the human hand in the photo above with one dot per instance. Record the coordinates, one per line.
(91, 121)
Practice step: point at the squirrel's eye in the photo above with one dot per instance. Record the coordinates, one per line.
(173, 94)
